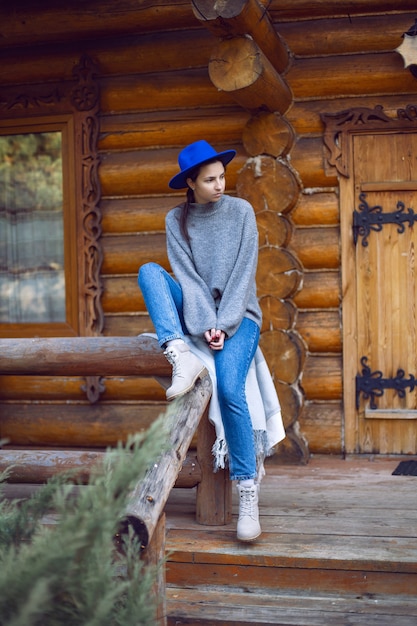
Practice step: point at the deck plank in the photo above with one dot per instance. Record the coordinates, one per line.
(224, 609)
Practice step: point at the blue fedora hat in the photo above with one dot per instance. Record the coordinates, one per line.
(192, 156)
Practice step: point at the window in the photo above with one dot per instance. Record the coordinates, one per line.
(32, 276)
(38, 270)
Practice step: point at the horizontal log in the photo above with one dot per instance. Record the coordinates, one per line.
(317, 247)
(135, 215)
(148, 498)
(149, 172)
(321, 424)
(321, 330)
(350, 75)
(320, 289)
(121, 294)
(154, 53)
(38, 466)
(243, 17)
(28, 24)
(322, 377)
(297, 9)
(127, 325)
(172, 90)
(320, 208)
(20, 389)
(41, 388)
(238, 66)
(34, 466)
(75, 425)
(137, 131)
(88, 356)
(307, 158)
(322, 37)
(125, 254)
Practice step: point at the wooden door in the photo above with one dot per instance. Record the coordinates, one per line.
(379, 310)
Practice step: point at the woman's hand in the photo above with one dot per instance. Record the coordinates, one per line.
(215, 338)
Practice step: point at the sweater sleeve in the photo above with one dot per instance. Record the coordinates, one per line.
(241, 283)
(199, 308)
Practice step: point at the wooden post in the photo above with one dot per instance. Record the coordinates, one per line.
(214, 495)
(154, 556)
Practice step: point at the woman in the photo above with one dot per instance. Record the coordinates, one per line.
(212, 244)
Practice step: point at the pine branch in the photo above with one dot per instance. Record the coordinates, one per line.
(70, 574)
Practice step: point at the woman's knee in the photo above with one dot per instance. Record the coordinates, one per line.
(147, 271)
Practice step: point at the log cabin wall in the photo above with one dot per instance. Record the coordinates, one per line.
(342, 57)
(155, 96)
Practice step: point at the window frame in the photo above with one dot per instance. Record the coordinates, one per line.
(64, 125)
(71, 106)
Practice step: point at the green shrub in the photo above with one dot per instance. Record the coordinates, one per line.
(69, 572)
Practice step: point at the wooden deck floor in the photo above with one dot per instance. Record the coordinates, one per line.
(339, 539)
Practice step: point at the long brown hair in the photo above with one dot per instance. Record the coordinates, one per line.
(190, 196)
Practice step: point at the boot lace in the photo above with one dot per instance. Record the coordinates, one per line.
(173, 358)
(246, 502)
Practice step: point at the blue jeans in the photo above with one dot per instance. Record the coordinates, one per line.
(163, 299)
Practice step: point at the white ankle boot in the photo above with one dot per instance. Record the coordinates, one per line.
(248, 527)
(187, 367)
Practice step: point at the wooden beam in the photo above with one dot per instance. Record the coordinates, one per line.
(27, 23)
(281, 10)
(34, 466)
(243, 17)
(239, 67)
(148, 498)
(83, 356)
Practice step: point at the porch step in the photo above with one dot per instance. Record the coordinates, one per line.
(290, 579)
(292, 562)
(222, 607)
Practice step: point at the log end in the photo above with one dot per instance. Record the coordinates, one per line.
(129, 527)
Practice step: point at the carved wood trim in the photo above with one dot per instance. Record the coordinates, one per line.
(338, 127)
(85, 100)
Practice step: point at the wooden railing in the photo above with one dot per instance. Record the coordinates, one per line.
(125, 356)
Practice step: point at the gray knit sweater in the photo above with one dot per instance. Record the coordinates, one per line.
(216, 268)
